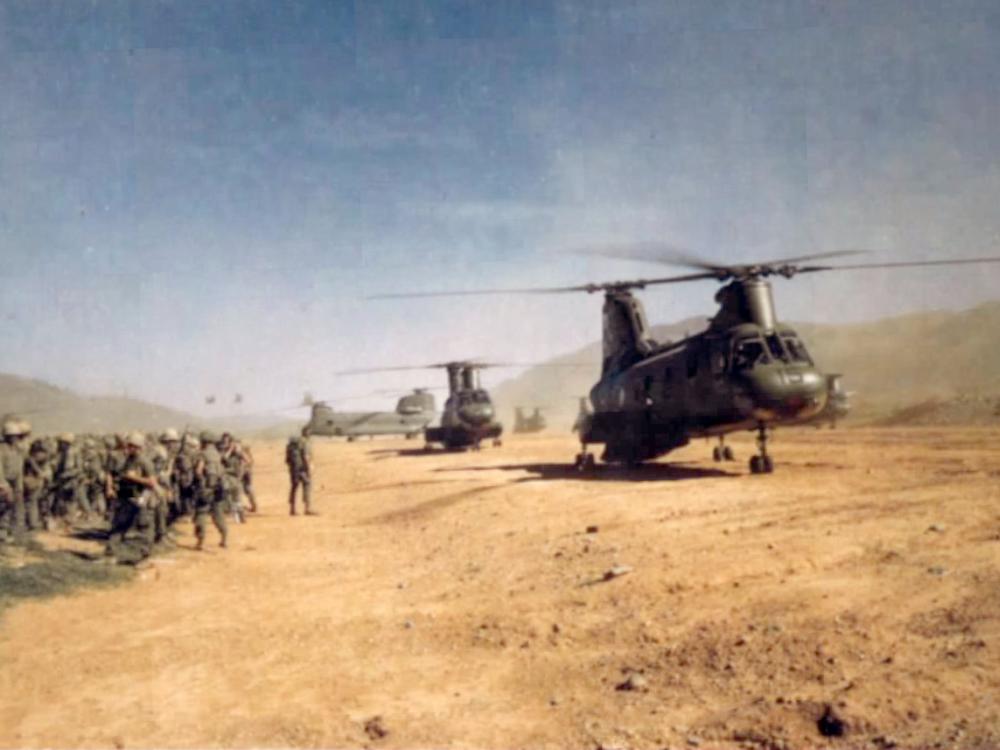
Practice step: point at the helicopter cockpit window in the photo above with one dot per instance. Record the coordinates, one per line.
(776, 349)
(797, 350)
(748, 353)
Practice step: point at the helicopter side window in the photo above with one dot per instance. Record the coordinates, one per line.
(797, 350)
(748, 353)
(776, 349)
(717, 358)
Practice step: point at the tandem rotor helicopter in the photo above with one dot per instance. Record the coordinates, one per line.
(746, 371)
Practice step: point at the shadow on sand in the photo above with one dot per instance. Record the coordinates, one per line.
(673, 472)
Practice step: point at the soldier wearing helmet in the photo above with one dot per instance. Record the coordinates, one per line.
(11, 480)
(298, 458)
(232, 464)
(132, 529)
(93, 472)
(210, 496)
(37, 483)
(182, 475)
(70, 488)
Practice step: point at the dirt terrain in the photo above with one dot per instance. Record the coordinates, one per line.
(852, 599)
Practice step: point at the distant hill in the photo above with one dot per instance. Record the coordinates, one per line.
(889, 365)
(52, 409)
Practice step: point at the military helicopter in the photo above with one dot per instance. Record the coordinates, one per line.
(469, 416)
(746, 371)
(525, 423)
(583, 414)
(414, 411)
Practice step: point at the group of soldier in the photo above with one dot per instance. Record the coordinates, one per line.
(138, 484)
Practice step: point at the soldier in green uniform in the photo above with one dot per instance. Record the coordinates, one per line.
(131, 537)
(210, 498)
(160, 458)
(232, 464)
(247, 478)
(171, 441)
(183, 477)
(298, 458)
(68, 478)
(37, 483)
(94, 483)
(12, 480)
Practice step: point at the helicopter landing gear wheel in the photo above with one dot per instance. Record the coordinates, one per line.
(762, 463)
(717, 453)
(585, 462)
(727, 453)
(497, 442)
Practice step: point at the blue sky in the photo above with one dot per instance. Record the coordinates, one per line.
(195, 196)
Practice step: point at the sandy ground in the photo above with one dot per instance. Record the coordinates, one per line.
(461, 599)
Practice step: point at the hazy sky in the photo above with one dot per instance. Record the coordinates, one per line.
(196, 196)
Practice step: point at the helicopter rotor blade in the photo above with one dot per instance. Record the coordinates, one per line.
(589, 288)
(664, 253)
(901, 264)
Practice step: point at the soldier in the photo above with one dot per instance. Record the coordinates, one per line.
(183, 477)
(94, 481)
(113, 464)
(69, 488)
(209, 500)
(133, 505)
(37, 483)
(172, 442)
(298, 457)
(232, 464)
(247, 478)
(160, 458)
(11, 480)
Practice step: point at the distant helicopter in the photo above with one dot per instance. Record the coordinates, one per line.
(746, 371)
(413, 413)
(524, 423)
(838, 403)
(469, 416)
(583, 414)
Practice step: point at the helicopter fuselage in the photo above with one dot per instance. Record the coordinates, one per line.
(468, 418)
(713, 383)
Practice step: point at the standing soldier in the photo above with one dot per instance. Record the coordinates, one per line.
(69, 479)
(232, 464)
(11, 480)
(247, 478)
(209, 500)
(94, 481)
(172, 442)
(37, 482)
(133, 505)
(298, 457)
(183, 477)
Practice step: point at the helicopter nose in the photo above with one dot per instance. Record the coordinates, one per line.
(786, 393)
(478, 415)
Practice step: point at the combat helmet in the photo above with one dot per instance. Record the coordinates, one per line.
(170, 436)
(136, 440)
(207, 436)
(66, 437)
